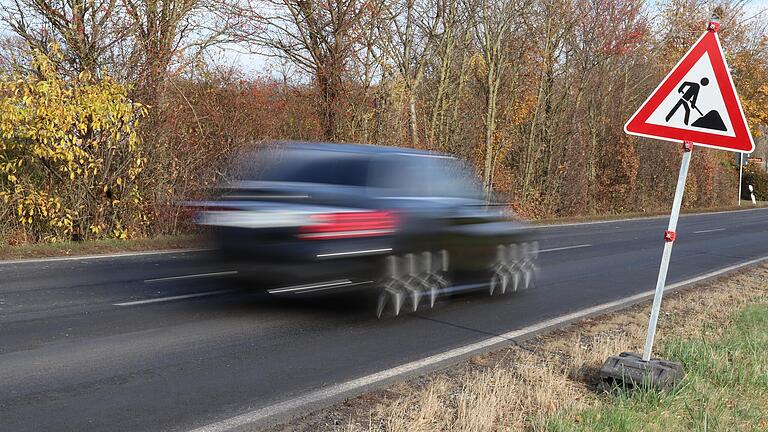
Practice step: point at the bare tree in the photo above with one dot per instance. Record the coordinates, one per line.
(406, 29)
(493, 21)
(174, 33)
(84, 30)
(450, 40)
(136, 40)
(318, 36)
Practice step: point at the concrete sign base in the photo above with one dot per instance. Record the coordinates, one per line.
(631, 370)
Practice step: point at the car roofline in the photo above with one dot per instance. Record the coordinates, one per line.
(361, 148)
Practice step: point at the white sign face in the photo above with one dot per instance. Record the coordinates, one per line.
(696, 103)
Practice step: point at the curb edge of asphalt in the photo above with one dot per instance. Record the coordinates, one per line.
(644, 218)
(101, 256)
(191, 250)
(324, 397)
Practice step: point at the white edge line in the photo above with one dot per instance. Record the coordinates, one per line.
(565, 248)
(165, 299)
(102, 256)
(192, 276)
(407, 368)
(309, 286)
(642, 218)
(709, 231)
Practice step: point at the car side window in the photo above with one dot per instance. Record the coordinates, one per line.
(397, 175)
(344, 171)
(424, 176)
(454, 179)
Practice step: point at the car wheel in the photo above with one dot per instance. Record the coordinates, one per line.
(412, 278)
(515, 267)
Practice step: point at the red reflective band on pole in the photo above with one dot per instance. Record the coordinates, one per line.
(669, 236)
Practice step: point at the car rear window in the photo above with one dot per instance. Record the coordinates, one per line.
(307, 166)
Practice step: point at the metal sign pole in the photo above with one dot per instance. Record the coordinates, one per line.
(741, 167)
(669, 237)
(634, 368)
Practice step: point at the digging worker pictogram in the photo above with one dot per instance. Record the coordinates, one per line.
(690, 91)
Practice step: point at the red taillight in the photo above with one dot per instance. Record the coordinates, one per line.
(349, 225)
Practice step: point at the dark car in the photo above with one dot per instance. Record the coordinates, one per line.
(406, 224)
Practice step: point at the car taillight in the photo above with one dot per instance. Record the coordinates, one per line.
(349, 225)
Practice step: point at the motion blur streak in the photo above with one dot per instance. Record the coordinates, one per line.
(400, 224)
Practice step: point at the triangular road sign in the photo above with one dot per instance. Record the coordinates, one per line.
(696, 102)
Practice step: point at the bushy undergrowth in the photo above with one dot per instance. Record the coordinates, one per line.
(726, 387)
(754, 175)
(70, 157)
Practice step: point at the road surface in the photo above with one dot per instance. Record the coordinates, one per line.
(166, 342)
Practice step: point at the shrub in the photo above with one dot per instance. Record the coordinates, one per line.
(754, 175)
(70, 156)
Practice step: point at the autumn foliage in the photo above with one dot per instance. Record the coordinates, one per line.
(109, 130)
(70, 156)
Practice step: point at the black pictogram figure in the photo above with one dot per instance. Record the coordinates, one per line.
(710, 120)
(690, 91)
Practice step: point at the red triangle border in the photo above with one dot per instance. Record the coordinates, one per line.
(741, 142)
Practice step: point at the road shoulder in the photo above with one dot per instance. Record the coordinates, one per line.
(112, 248)
(552, 375)
(99, 248)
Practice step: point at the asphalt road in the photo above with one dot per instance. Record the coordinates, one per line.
(81, 349)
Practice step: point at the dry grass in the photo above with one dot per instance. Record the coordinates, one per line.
(522, 387)
(40, 250)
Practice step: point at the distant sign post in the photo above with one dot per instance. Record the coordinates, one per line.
(696, 104)
(741, 174)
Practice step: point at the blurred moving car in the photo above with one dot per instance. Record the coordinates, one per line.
(409, 225)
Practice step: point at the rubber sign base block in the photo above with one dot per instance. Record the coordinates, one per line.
(630, 370)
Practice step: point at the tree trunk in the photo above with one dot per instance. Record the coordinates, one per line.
(330, 90)
(413, 138)
(490, 129)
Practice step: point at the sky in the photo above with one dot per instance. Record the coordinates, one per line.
(254, 64)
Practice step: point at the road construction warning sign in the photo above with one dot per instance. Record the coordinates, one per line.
(696, 102)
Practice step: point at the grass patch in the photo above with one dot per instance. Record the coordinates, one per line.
(726, 387)
(40, 250)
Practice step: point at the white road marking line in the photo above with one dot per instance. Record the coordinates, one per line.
(310, 286)
(172, 298)
(565, 248)
(192, 276)
(345, 389)
(332, 287)
(358, 252)
(709, 231)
